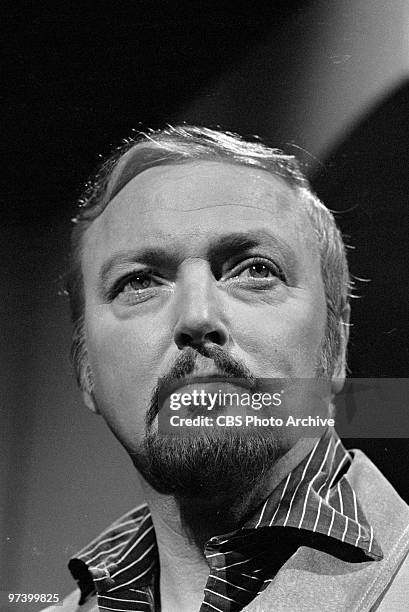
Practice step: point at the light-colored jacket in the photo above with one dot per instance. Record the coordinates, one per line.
(314, 581)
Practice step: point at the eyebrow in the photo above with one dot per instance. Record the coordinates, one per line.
(233, 245)
(220, 249)
(152, 257)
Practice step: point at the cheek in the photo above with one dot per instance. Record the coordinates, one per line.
(283, 340)
(117, 347)
(124, 362)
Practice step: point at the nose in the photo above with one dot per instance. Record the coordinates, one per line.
(200, 316)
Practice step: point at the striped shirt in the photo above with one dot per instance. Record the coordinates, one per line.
(310, 503)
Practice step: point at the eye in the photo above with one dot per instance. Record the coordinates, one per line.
(258, 269)
(136, 282)
(134, 286)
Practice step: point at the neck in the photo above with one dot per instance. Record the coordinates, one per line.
(183, 567)
(182, 528)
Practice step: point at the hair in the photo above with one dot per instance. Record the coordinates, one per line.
(181, 145)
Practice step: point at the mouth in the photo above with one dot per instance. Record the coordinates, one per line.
(204, 391)
(206, 379)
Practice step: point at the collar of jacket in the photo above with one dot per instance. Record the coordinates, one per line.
(312, 580)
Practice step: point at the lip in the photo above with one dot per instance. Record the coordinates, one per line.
(203, 378)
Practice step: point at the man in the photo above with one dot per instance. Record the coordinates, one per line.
(202, 262)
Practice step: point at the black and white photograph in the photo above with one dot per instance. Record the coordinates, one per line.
(204, 400)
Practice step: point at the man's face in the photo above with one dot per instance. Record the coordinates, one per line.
(199, 254)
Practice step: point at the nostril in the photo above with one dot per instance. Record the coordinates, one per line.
(183, 340)
(214, 337)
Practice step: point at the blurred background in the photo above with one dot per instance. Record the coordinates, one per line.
(327, 80)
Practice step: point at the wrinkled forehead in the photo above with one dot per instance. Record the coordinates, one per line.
(196, 201)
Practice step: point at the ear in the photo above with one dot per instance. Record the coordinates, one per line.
(89, 401)
(87, 388)
(338, 377)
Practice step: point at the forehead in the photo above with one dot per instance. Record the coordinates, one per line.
(189, 204)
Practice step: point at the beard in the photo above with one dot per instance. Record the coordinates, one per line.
(214, 463)
(222, 464)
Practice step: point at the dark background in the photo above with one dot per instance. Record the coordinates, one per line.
(327, 80)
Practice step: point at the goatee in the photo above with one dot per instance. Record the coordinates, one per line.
(225, 461)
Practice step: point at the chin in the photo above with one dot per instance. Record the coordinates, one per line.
(226, 463)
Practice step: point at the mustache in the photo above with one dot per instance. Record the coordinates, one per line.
(185, 364)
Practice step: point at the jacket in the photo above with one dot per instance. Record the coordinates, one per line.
(314, 581)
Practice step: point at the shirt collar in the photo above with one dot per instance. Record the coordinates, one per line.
(309, 495)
